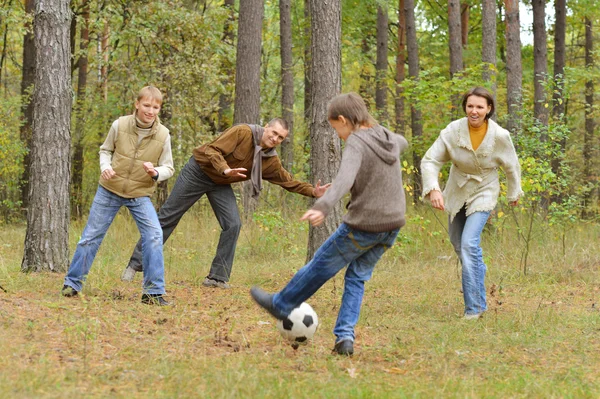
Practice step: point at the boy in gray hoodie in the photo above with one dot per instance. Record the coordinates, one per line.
(372, 173)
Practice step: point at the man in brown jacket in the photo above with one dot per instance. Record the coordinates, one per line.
(242, 152)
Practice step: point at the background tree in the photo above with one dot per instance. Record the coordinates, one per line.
(514, 72)
(400, 69)
(540, 61)
(381, 64)
(558, 92)
(488, 42)
(287, 81)
(325, 149)
(47, 238)
(588, 142)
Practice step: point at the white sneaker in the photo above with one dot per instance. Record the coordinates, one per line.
(128, 274)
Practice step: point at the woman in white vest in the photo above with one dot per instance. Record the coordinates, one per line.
(477, 146)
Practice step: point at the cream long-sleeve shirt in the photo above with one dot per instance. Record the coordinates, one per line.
(473, 179)
(164, 168)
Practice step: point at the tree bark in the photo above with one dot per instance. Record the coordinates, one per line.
(416, 123)
(400, 69)
(224, 114)
(287, 81)
(46, 240)
(381, 64)
(454, 37)
(558, 102)
(325, 151)
(540, 63)
(588, 142)
(465, 13)
(247, 77)
(307, 62)
(27, 107)
(77, 160)
(488, 45)
(514, 73)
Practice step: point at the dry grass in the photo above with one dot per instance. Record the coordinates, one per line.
(539, 339)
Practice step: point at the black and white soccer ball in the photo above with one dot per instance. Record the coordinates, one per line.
(300, 325)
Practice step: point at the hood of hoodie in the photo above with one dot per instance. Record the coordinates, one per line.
(381, 141)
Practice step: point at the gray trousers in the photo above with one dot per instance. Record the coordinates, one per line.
(190, 186)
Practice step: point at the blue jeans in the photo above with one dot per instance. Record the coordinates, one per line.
(103, 211)
(359, 250)
(465, 236)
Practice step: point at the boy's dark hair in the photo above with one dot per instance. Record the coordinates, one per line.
(282, 122)
(480, 92)
(352, 107)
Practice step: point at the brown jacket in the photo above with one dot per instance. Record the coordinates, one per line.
(235, 149)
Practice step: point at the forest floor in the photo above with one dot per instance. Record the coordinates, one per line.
(540, 337)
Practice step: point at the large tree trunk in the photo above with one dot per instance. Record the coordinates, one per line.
(27, 108)
(558, 102)
(287, 81)
(381, 64)
(247, 77)
(400, 70)
(488, 45)
(224, 114)
(513, 66)
(46, 240)
(454, 37)
(588, 142)
(540, 63)
(325, 150)
(416, 123)
(77, 160)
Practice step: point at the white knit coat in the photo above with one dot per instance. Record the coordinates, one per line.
(473, 179)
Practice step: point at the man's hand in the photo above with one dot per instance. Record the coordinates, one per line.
(108, 174)
(437, 199)
(319, 190)
(237, 172)
(314, 217)
(149, 168)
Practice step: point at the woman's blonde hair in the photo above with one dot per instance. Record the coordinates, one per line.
(150, 92)
(352, 107)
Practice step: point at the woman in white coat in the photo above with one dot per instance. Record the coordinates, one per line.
(476, 146)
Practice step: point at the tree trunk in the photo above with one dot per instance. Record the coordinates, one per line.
(513, 66)
(366, 85)
(540, 62)
(307, 62)
(166, 114)
(224, 114)
(558, 103)
(454, 37)
(416, 123)
(47, 236)
(104, 65)
(588, 142)
(488, 45)
(77, 160)
(325, 150)
(400, 70)
(381, 64)
(247, 77)
(27, 107)
(465, 12)
(287, 81)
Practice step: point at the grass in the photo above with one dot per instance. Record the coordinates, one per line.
(540, 337)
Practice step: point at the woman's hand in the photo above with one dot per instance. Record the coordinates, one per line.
(314, 217)
(437, 199)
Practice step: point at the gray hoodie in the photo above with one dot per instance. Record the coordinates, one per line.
(372, 172)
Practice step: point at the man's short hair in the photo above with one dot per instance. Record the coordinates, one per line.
(282, 122)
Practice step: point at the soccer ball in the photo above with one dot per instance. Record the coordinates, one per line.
(300, 325)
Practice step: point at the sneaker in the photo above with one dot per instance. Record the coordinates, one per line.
(344, 348)
(68, 291)
(154, 299)
(473, 316)
(211, 282)
(265, 300)
(128, 274)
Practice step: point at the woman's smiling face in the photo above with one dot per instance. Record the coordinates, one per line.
(476, 109)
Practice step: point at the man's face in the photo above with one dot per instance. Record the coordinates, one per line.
(273, 136)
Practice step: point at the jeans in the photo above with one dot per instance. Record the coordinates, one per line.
(359, 250)
(190, 186)
(465, 236)
(103, 211)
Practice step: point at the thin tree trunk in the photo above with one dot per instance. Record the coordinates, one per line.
(5, 35)
(381, 64)
(454, 37)
(104, 65)
(400, 69)
(77, 160)
(27, 107)
(47, 236)
(465, 13)
(247, 77)
(540, 63)
(558, 103)
(225, 99)
(287, 81)
(307, 62)
(488, 45)
(588, 143)
(514, 73)
(325, 150)
(416, 123)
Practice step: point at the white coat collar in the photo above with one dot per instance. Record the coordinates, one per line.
(487, 145)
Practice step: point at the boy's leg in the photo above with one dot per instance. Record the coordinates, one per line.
(473, 268)
(359, 271)
(104, 208)
(190, 186)
(146, 219)
(222, 201)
